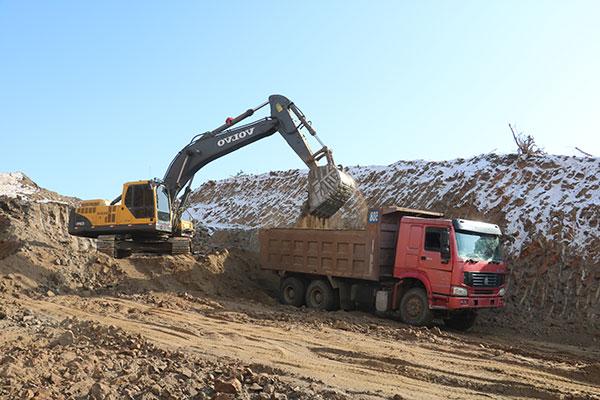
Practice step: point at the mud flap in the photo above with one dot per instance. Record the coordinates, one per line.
(328, 190)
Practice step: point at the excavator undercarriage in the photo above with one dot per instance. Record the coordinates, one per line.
(121, 246)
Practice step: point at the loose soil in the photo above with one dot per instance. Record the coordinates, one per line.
(178, 327)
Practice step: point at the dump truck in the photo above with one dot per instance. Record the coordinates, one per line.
(146, 217)
(412, 264)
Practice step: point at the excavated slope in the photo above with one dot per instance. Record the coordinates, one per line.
(37, 254)
(548, 206)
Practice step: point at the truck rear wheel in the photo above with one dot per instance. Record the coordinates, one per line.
(414, 307)
(320, 295)
(461, 320)
(291, 291)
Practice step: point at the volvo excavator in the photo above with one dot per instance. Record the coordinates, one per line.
(146, 217)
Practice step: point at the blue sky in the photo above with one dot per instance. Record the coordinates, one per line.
(93, 94)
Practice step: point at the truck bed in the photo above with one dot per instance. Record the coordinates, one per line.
(359, 254)
(340, 253)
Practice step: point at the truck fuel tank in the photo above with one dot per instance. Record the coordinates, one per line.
(382, 300)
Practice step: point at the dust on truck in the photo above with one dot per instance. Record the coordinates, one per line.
(409, 263)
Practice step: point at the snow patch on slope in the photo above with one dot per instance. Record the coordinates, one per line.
(550, 197)
(14, 184)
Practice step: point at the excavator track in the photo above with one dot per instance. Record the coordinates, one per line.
(109, 245)
(106, 245)
(180, 245)
(114, 247)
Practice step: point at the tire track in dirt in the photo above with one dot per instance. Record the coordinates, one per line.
(356, 362)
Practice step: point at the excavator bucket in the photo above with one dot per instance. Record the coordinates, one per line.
(329, 189)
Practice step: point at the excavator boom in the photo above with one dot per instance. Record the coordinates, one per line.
(328, 187)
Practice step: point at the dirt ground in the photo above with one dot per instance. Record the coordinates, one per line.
(177, 327)
(78, 325)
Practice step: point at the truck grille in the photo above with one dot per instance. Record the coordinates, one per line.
(484, 279)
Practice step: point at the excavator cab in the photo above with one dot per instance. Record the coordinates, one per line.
(143, 209)
(149, 200)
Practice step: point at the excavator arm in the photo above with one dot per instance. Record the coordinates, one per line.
(328, 187)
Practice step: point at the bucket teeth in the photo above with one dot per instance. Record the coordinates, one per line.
(329, 189)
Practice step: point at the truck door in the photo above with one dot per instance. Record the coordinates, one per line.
(438, 269)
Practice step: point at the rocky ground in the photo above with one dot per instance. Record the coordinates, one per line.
(154, 342)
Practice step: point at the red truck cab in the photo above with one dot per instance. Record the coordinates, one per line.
(458, 261)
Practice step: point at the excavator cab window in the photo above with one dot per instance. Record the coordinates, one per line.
(139, 199)
(162, 204)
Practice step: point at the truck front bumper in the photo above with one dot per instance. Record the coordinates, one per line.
(475, 302)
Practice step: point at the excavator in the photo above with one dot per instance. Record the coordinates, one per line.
(147, 216)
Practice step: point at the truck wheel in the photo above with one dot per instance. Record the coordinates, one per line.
(292, 291)
(461, 321)
(414, 307)
(320, 295)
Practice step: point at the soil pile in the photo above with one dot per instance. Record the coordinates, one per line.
(38, 254)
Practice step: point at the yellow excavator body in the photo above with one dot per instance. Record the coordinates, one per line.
(139, 217)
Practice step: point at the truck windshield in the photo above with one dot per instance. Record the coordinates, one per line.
(478, 246)
(162, 204)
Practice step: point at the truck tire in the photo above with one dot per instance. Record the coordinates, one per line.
(461, 320)
(291, 291)
(320, 295)
(414, 307)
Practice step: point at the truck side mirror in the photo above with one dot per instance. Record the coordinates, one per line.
(445, 252)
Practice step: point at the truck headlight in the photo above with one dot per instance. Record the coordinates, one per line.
(502, 292)
(459, 291)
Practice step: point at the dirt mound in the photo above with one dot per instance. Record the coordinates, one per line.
(17, 185)
(38, 254)
(205, 327)
(223, 273)
(35, 246)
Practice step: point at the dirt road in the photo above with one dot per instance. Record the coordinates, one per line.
(353, 353)
(180, 327)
